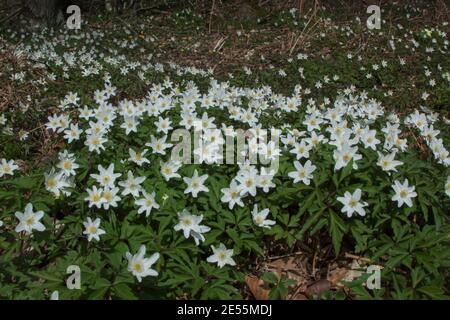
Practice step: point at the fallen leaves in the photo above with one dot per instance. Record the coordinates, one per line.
(256, 287)
(299, 268)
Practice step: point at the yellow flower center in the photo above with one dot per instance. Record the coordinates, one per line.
(222, 256)
(51, 183)
(29, 221)
(67, 165)
(108, 196)
(138, 267)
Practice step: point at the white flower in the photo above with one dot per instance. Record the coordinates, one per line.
(56, 182)
(369, 139)
(169, 170)
(195, 184)
(132, 185)
(303, 173)
(387, 162)
(95, 197)
(54, 295)
(352, 203)
(232, 195)
(163, 125)
(138, 157)
(403, 193)
(344, 155)
(95, 142)
(159, 145)
(110, 197)
(147, 203)
(139, 266)
(73, 133)
(248, 183)
(301, 150)
(29, 220)
(106, 177)
(190, 224)
(7, 167)
(265, 179)
(92, 229)
(221, 256)
(67, 164)
(129, 124)
(259, 218)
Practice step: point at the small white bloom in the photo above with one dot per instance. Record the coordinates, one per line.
(232, 195)
(110, 197)
(95, 197)
(54, 295)
(190, 224)
(303, 173)
(139, 266)
(352, 203)
(92, 229)
(260, 218)
(138, 157)
(7, 167)
(106, 177)
(195, 184)
(222, 256)
(169, 170)
(403, 193)
(29, 220)
(387, 162)
(147, 203)
(132, 185)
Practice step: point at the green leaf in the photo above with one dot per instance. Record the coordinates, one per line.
(433, 292)
(337, 229)
(124, 292)
(49, 276)
(269, 277)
